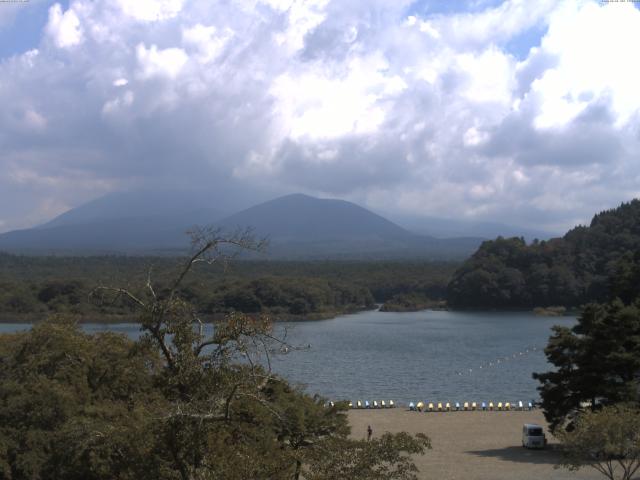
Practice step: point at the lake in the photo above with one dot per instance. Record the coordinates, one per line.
(427, 355)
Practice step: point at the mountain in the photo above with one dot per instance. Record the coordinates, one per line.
(130, 222)
(152, 204)
(589, 263)
(118, 235)
(301, 226)
(298, 226)
(301, 217)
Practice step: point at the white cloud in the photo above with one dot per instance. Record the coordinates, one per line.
(366, 100)
(64, 28)
(154, 62)
(473, 137)
(151, 10)
(473, 30)
(319, 104)
(489, 76)
(206, 40)
(303, 17)
(595, 47)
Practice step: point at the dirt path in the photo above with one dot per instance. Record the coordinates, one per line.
(471, 445)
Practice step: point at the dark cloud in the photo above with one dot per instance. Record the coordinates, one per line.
(589, 139)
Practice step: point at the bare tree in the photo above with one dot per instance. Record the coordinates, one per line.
(208, 368)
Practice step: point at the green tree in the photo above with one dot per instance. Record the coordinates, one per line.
(184, 402)
(75, 406)
(588, 264)
(597, 362)
(607, 440)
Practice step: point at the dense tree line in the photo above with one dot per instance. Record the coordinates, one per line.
(597, 361)
(36, 286)
(588, 264)
(277, 296)
(177, 404)
(591, 397)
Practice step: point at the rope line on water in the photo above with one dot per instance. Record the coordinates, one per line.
(499, 361)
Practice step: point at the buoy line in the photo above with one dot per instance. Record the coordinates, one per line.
(499, 361)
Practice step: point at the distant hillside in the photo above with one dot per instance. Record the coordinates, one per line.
(593, 263)
(300, 226)
(145, 204)
(300, 217)
(130, 222)
(117, 235)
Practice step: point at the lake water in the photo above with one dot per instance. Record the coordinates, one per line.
(428, 355)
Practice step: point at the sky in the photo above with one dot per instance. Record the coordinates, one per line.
(514, 111)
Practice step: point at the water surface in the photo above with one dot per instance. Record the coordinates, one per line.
(428, 355)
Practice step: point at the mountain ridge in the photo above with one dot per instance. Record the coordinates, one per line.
(299, 226)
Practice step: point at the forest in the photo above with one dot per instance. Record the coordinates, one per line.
(589, 264)
(175, 404)
(33, 287)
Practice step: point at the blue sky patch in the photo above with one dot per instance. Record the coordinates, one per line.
(24, 32)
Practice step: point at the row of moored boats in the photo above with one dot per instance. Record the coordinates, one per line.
(374, 404)
(469, 406)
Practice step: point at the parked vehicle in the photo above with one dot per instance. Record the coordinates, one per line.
(533, 436)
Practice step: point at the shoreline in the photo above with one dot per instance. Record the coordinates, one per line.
(115, 319)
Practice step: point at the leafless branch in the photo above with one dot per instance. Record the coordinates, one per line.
(121, 292)
(150, 286)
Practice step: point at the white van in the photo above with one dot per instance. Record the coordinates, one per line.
(533, 436)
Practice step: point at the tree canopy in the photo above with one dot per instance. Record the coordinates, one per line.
(33, 287)
(607, 440)
(597, 362)
(179, 403)
(588, 264)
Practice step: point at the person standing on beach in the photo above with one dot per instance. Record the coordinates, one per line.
(369, 433)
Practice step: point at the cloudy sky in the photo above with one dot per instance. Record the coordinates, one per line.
(523, 112)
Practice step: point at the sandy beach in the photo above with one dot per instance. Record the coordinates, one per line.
(471, 445)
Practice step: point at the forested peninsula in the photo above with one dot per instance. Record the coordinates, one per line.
(33, 287)
(589, 264)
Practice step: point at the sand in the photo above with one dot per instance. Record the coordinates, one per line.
(472, 445)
